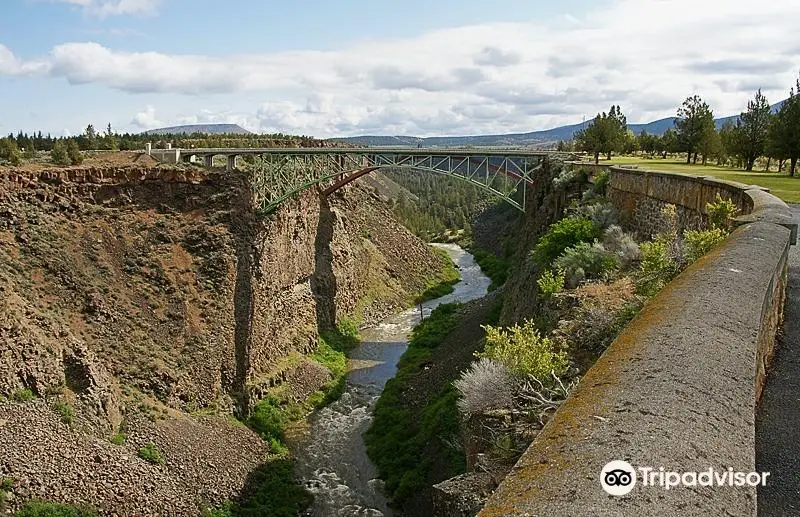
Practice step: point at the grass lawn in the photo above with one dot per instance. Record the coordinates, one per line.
(783, 186)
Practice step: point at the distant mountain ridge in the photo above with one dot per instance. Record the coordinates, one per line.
(534, 138)
(208, 129)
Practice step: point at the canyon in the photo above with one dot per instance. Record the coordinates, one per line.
(155, 303)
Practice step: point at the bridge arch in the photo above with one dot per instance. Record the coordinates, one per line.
(351, 176)
(283, 172)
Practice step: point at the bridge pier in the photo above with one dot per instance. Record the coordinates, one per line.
(209, 161)
(231, 162)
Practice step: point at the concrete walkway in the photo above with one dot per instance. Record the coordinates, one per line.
(778, 414)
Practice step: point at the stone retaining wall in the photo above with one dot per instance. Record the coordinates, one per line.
(679, 386)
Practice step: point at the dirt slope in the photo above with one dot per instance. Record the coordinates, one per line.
(139, 295)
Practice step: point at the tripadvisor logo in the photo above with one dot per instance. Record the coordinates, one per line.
(619, 477)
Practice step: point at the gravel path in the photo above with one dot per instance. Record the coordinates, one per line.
(778, 415)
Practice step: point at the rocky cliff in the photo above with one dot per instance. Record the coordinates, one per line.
(139, 295)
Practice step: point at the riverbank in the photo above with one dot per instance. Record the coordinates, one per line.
(416, 438)
(331, 457)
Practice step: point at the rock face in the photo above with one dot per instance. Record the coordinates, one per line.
(162, 288)
(462, 496)
(547, 200)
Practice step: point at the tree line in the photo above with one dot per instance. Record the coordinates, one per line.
(757, 132)
(15, 147)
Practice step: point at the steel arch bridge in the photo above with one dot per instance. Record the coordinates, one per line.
(280, 173)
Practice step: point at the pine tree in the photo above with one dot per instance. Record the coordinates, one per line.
(753, 126)
(784, 133)
(9, 151)
(74, 153)
(59, 154)
(695, 122)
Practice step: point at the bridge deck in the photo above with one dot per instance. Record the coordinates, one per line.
(407, 151)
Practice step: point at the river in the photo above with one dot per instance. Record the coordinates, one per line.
(331, 456)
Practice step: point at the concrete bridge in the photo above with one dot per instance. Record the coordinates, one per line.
(283, 172)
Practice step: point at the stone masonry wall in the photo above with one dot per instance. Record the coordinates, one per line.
(678, 387)
(640, 196)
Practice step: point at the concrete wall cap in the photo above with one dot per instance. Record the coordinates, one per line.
(769, 209)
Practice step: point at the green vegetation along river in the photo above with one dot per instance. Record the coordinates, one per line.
(331, 456)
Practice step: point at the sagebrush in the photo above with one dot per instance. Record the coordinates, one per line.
(622, 245)
(486, 385)
(585, 261)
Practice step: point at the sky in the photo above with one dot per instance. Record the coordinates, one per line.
(396, 67)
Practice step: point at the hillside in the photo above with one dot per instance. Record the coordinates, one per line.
(534, 138)
(145, 304)
(208, 129)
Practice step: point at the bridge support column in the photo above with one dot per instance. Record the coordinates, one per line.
(209, 161)
(231, 162)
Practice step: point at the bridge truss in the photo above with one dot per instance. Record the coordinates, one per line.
(279, 174)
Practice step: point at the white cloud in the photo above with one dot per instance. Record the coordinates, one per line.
(146, 119)
(103, 8)
(646, 55)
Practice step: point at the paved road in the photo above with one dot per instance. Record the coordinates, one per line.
(778, 415)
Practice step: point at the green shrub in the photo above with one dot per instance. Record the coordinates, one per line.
(668, 224)
(492, 266)
(699, 242)
(601, 181)
(275, 494)
(74, 153)
(525, 352)
(66, 412)
(267, 419)
(9, 151)
(6, 484)
(333, 360)
(277, 447)
(436, 291)
(24, 395)
(226, 510)
(443, 284)
(151, 454)
(569, 175)
(602, 213)
(431, 331)
(118, 439)
(551, 282)
(598, 188)
(59, 154)
(657, 267)
(44, 509)
(721, 212)
(396, 440)
(562, 235)
(348, 329)
(336, 362)
(585, 260)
